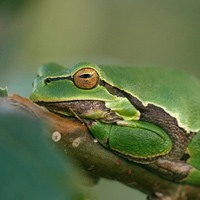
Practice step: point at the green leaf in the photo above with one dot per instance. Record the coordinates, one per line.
(30, 167)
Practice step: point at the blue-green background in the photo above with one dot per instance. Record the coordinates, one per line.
(128, 32)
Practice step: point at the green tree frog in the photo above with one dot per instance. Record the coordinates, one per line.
(148, 115)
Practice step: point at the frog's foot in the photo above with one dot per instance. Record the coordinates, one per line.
(172, 170)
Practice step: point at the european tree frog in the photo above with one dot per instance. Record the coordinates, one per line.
(148, 115)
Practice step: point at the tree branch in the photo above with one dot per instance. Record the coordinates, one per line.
(75, 140)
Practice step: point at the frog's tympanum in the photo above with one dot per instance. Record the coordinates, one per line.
(148, 115)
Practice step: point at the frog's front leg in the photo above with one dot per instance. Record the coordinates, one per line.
(137, 141)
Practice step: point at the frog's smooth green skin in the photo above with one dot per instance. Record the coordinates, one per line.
(148, 115)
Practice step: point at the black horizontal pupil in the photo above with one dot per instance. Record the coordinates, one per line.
(85, 76)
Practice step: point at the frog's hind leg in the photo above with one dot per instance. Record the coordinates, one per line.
(185, 170)
(139, 141)
(176, 171)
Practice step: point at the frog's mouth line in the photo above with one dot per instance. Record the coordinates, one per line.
(89, 109)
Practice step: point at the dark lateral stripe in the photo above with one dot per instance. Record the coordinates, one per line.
(48, 80)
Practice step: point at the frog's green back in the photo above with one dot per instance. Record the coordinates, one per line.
(175, 91)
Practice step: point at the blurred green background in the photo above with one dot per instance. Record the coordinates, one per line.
(129, 32)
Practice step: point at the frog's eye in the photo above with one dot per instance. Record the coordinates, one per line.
(86, 78)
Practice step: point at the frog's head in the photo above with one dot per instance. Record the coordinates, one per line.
(81, 90)
(55, 83)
